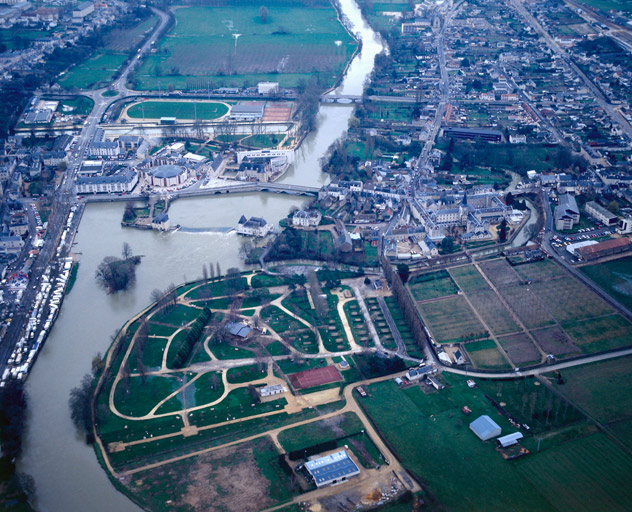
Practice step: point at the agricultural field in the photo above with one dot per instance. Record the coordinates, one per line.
(615, 277)
(233, 45)
(204, 110)
(451, 320)
(562, 315)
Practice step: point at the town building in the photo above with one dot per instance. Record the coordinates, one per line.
(121, 182)
(82, 11)
(239, 329)
(332, 469)
(306, 218)
(566, 213)
(600, 213)
(255, 226)
(473, 133)
(10, 244)
(161, 222)
(165, 176)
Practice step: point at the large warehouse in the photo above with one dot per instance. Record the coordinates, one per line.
(167, 176)
(332, 469)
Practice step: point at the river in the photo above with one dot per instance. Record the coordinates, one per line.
(67, 476)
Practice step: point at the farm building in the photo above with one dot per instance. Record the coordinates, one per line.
(485, 428)
(419, 373)
(509, 439)
(167, 176)
(332, 469)
(238, 329)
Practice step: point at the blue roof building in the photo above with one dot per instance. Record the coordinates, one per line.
(332, 469)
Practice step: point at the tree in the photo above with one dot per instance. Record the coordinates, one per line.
(502, 231)
(204, 273)
(613, 206)
(447, 244)
(13, 403)
(127, 251)
(403, 271)
(263, 14)
(509, 199)
(79, 402)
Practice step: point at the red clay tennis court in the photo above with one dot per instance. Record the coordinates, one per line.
(315, 377)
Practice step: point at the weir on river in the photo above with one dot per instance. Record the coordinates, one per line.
(67, 474)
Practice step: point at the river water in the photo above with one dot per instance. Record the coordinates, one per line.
(67, 476)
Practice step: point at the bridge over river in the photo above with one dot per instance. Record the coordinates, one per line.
(229, 188)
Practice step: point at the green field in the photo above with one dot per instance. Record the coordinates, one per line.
(96, 71)
(79, 106)
(432, 286)
(582, 475)
(468, 278)
(485, 354)
(451, 320)
(294, 43)
(615, 277)
(598, 334)
(607, 5)
(20, 38)
(179, 109)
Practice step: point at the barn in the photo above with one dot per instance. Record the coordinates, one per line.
(485, 428)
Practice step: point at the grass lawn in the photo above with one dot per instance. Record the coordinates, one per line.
(358, 325)
(600, 334)
(615, 277)
(432, 286)
(451, 320)
(80, 106)
(468, 278)
(294, 43)
(485, 354)
(152, 354)
(244, 374)
(207, 388)
(264, 140)
(179, 109)
(264, 281)
(141, 398)
(434, 442)
(178, 315)
(97, 70)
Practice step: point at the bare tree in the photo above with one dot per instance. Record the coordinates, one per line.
(127, 251)
(204, 273)
(263, 14)
(211, 267)
(320, 302)
(219, 271)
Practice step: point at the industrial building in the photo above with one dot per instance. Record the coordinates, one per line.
(485, 428)
(473, 133)
(332, 469)
(602, 249)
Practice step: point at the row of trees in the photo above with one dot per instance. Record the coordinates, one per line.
(192, 337)
(80, 400)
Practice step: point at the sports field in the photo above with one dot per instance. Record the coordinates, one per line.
(179, 109)
(231, 45)
(315, 377)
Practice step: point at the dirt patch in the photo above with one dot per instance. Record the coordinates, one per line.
(226, 480)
